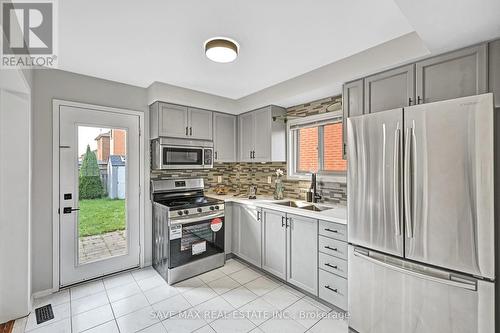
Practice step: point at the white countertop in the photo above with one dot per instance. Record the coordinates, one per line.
(337, 214)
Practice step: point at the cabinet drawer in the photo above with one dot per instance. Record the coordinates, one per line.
(333, 247)
(333, 230)
(333, 289)
(333, 264)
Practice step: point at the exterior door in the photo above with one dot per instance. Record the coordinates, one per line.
(99, 193)
(274, 243)
(374, 181)
(302, 253)
(449, 192)
(200, 124)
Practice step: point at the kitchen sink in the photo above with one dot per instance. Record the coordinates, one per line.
(301, 205)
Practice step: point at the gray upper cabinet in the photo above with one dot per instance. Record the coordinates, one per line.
(494, 73)
(452, 75)
(262, 139)
(352, 105)
(224, 137)
(177, 121)
(274, 242)
(200, 124)
(390, 90)
(302, 245)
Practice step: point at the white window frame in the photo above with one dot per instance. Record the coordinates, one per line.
(319, 119)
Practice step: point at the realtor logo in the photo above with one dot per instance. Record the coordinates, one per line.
(28, 38)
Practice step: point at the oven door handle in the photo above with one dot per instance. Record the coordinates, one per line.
(186, 220)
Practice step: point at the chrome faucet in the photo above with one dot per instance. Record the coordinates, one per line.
(315, 195)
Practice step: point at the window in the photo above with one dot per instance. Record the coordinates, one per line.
(315, 145)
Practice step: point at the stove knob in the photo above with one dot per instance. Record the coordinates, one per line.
(216, 207)
(179, 212)
(199, 210)
(212, 207)
(186, 212)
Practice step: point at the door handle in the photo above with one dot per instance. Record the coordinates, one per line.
(419, 99)
(216, 155)
(408, 214)
(282, 221)
(250, 154)
(69, 210)
(410, 101)
(190, 130)
(259, 216)
(186, 130)
(396, 181)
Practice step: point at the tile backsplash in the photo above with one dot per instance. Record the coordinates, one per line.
(239, 176)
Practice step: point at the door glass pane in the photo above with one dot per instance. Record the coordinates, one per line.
(102, 170)
(307, 154)
(332, 148)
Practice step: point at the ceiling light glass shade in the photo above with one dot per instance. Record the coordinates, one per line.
(221, 50)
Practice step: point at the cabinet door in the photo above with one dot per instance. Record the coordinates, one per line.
(274, 243)
(262, 135)
(224, 137)
(390, 90)
(250, 234)
(494, 74)
(200, 124)
(173, 120)
(246, 136)
(457, 74)
(352, 105)
(302, 253)
(228, 227)
(235, 228)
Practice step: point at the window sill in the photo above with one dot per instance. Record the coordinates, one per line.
(320, 177)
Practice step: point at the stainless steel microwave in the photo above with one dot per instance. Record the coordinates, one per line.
(169, 153)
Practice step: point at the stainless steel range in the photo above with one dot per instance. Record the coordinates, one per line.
(188, 229)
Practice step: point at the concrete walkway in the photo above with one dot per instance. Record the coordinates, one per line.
(98, 247)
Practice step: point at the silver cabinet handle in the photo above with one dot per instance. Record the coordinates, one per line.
(396, 181)
(335, 290)
(331, 230)
(331, 266)
(331, 248)
(259, 215)
(282, 221)
(216, 155)
(186, 130)
(455, 283)
(407, 156)
(190, 131)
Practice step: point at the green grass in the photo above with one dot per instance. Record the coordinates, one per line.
(100, 216)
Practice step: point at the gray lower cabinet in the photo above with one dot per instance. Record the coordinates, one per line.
(250, 234)
(200, 124)
(274, 233)
(224, 137)
(494, 70)
(352, 105)
(228, 227)
(452, 75)
(332, 265)
(302, 260)
(390, 89)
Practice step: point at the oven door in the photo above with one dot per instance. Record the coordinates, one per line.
(194, 238)
(181, 157)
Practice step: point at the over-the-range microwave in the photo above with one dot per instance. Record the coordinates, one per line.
(170, 153)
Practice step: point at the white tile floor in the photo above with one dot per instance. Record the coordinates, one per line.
(234, 298)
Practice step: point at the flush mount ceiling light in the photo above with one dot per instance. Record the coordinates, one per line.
(221, 49)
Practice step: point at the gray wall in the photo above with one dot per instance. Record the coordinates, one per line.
(51, 84)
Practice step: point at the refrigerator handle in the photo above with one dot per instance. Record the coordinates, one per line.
(414, 183)
(396, 180)
(407, 203)
(451, 280)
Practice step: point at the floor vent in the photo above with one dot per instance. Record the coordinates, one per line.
(44, 314)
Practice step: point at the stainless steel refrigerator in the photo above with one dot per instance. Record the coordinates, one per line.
(421, 218)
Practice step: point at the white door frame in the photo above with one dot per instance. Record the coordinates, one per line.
(56, 104)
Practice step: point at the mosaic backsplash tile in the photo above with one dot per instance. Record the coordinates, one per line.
(239, 176)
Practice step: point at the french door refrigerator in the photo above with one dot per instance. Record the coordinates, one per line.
(421, 219)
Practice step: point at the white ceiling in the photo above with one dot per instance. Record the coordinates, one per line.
(142, 42)
(291, 51)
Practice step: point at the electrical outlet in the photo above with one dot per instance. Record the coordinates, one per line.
(269, 179)
(219, 179)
